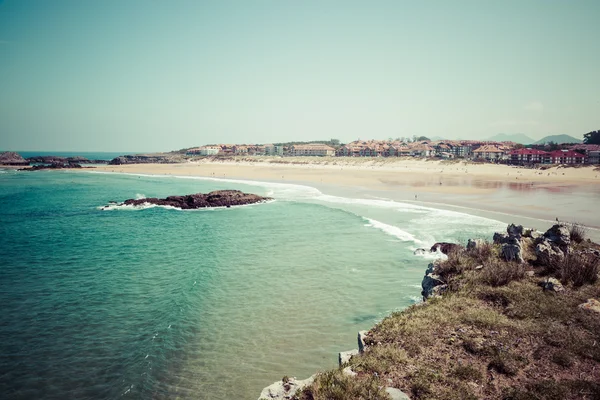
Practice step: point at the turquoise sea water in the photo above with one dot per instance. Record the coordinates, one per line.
(210, 304)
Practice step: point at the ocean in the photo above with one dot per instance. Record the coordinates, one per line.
(87, 154)
(206, 304)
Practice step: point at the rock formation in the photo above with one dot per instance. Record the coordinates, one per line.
(12, 158)
(553, 245)
(219, 198)
(52, 166)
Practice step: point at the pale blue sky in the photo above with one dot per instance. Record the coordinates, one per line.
(125, 75)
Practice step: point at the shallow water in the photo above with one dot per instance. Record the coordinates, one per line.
(208, 304)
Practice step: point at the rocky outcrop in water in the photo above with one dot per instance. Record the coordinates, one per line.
(148, 159)
(12, 158)
(219, 198)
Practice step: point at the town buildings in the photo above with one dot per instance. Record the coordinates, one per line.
(499, 152)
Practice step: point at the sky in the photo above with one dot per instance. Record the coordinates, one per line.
(127, 75)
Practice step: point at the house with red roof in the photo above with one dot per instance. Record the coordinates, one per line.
(528, 156)
(566, 157)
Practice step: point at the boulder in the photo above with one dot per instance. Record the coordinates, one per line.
(432, 284)
(499, 237)
(511, 249)
(396, 394)
(362, 335)
(552, 284)
(285, 388)
(345, 356)
(514, 230)
(473, 244)
(546, 252)
(591, 305)
(559, 235)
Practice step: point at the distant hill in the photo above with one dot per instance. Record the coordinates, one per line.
(558, 139)
(515, 137)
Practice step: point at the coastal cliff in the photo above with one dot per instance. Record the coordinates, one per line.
(218, 198)
(515, 318)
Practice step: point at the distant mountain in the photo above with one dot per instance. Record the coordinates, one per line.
(558, 139)
(436, 138)
(515, 137)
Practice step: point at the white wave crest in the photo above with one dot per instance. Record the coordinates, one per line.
(139, 196)
(392, 231)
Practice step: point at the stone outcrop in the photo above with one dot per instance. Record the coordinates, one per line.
(473, 244)
(552, 285)
(285, 388)
(148, 159)
(218, 198)
(52, 166)
(432, 284)
(591, 305)
(12, 158)
(345, 356)
(553, 245)
(511, 243)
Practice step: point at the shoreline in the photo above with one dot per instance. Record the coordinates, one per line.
(483, 190)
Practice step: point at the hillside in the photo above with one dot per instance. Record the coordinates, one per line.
(558, 139)
(516, 137)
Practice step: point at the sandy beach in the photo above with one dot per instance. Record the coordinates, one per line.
(499, 191)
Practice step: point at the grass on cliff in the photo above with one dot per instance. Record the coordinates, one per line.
(495, 334)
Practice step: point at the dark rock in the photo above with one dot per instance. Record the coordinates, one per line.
(52, 166)
(219, 198)
(511, 249)
(473, 244)
(559, 235)
(432, 284)
(445, 247)
(12, 158)
(514, 230)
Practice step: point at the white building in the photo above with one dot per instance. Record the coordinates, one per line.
(272, 150)
(204, 151)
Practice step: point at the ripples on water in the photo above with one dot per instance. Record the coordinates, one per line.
(194, 304)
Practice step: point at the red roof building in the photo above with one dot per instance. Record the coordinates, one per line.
(527, 156)
(566, 157)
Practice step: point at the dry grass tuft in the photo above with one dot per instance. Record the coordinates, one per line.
(335, 385)
(577, 232)
(500, 273)
(578, 269)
